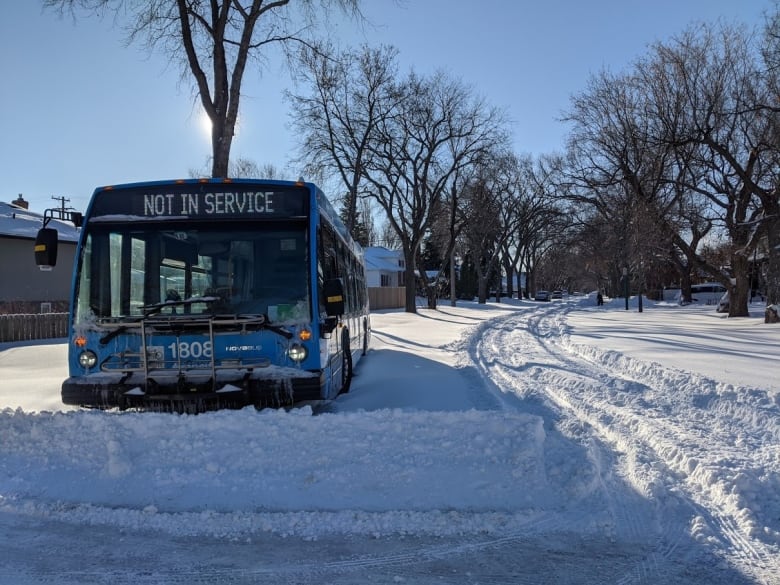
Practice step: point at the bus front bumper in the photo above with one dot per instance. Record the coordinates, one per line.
(191, 393)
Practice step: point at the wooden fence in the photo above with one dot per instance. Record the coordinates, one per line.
(386, 297)
(30, 327)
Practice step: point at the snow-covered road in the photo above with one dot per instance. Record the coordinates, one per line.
(503, 443)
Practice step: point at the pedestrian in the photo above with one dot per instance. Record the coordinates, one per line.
(599, 299)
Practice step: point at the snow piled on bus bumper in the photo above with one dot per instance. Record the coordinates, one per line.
(287, 473)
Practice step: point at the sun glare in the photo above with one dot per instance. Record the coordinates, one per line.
(204, 124)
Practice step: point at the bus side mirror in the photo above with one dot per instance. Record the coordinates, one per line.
(328, 326)
(46, 248)
(333, 290)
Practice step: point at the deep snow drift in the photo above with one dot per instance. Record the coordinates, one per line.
(518, 442)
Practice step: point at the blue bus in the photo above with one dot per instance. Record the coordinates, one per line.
(201, 294)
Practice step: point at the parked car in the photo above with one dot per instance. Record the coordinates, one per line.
(557, 294)
(708, 293)
(542, 295)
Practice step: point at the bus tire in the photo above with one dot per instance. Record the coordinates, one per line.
(346, 364)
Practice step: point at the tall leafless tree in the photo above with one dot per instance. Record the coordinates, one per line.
(491, 218)
(347, 96)
(680, 143)
(542, 221)
(214, 40)
(733, 157)
(438, 129)
(771, 59)
(616, 170)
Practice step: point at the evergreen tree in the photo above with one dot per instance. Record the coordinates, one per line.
(466, 285)
(360, 230)
(431, 257)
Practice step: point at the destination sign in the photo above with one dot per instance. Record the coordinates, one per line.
(202, 201)
(208, 203)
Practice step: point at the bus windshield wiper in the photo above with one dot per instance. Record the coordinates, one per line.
(216, 319)
(261, 321)
(118, 330)
(157, 307)
(278, 330)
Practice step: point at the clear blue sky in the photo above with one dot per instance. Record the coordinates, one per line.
(80, 109)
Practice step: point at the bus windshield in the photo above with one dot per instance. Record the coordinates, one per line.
(130, 271)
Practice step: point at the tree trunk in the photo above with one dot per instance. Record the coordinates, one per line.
(509, 270)
(685, 285)
(739, 292)
(772, 279)
(431, 293)
(482, 289)
(530, 282)
(453, 276)
(411, 288)
(221, 141)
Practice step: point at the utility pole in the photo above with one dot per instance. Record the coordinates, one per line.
(62, 201)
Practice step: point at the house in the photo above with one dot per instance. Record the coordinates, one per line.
(384, 267)
(25, 288)
(384, 277)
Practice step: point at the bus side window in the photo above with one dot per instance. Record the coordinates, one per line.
(326, 258)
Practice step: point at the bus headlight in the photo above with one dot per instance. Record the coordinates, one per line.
(87, 359)
(297, 352)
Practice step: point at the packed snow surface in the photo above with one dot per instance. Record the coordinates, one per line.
(512, 442)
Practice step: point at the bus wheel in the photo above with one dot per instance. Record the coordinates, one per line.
(346, 365)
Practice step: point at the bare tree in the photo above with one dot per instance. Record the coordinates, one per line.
(437, 130)
(452, 225)
(616, 170)
(482, 138)
(732, 161)
(540, 219)
(244, 167)
(215, 40)
(679, 143)
(348, 95)
(770, 51)
(493, 199)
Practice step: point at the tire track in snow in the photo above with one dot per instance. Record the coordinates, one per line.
(524, 372)
(700, 458)
(667, 439)
(621, 410)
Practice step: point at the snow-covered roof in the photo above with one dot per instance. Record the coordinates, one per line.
(382, 259)
(374, 263)
(21, 223)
